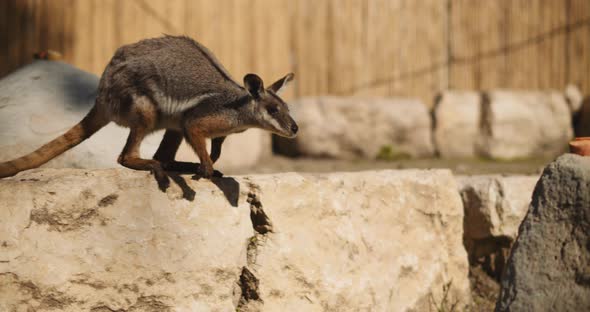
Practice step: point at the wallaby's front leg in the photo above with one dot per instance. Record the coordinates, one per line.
(199, 144)
(130, 158)
(216, 148)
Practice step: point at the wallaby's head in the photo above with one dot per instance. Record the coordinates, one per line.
(271, 112)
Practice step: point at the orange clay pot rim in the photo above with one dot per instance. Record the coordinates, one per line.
(582, 138)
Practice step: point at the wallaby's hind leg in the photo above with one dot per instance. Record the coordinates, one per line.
(168, 147)
(216, 148)
(130, 158)
(167, 152)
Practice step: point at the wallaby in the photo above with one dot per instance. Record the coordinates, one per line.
(177, 84)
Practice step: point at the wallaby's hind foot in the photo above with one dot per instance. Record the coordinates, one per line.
(130, 158)
(187, 167)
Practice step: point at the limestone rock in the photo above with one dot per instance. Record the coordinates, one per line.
(549, 269)
(44, 99)
(350, 127)
(109, 240)
(456, 123)
(519, 124)
(494, 208)
(495, 205)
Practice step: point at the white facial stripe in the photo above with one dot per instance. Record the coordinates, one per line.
(273, 122)
(172, 107)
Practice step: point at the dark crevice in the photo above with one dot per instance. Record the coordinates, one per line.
(248, 282)
(260, 221)
(249, 285)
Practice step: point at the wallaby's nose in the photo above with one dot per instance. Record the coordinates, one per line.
(294, 128)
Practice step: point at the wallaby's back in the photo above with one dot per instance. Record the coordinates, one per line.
(178, 67)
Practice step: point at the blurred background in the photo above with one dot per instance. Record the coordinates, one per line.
(338, 47)
(491, 89)
(422, 52)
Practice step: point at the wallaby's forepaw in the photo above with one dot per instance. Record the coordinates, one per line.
(162, 179)
(207, 173)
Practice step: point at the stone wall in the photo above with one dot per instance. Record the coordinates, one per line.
(109, 240)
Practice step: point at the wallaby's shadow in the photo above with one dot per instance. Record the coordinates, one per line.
(228, 185)
(187, 192)
(230, 188)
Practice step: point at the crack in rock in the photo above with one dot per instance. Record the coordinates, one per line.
(249, 285)
(260, 221)
(250, 298)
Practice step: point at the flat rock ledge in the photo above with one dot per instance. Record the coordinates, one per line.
(109, 240)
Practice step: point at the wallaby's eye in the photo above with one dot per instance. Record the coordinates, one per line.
(272, 110)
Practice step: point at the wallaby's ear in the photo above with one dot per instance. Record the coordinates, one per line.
(280, 84)
(254, 85)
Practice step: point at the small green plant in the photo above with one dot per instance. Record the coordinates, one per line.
(445, 304)
(388, 153)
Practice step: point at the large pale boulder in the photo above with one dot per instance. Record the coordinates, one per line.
(457, 116)
(549, 269)
(351, 127)
(44, 99)
(521, 124)
(109, 240)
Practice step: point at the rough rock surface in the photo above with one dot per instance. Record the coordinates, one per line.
(495, 205)
(456, 123)
(494, 208)
(44, 99)
(109, 240)
(524, 124)
(350, 127)
(549, 269)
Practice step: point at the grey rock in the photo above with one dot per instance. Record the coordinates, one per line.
(549, 269)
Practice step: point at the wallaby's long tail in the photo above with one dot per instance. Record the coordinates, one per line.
(80, 132)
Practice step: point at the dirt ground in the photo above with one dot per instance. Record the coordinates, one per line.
(484, 290)
(458, 166)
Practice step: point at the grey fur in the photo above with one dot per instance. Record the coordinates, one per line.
(173, 71)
